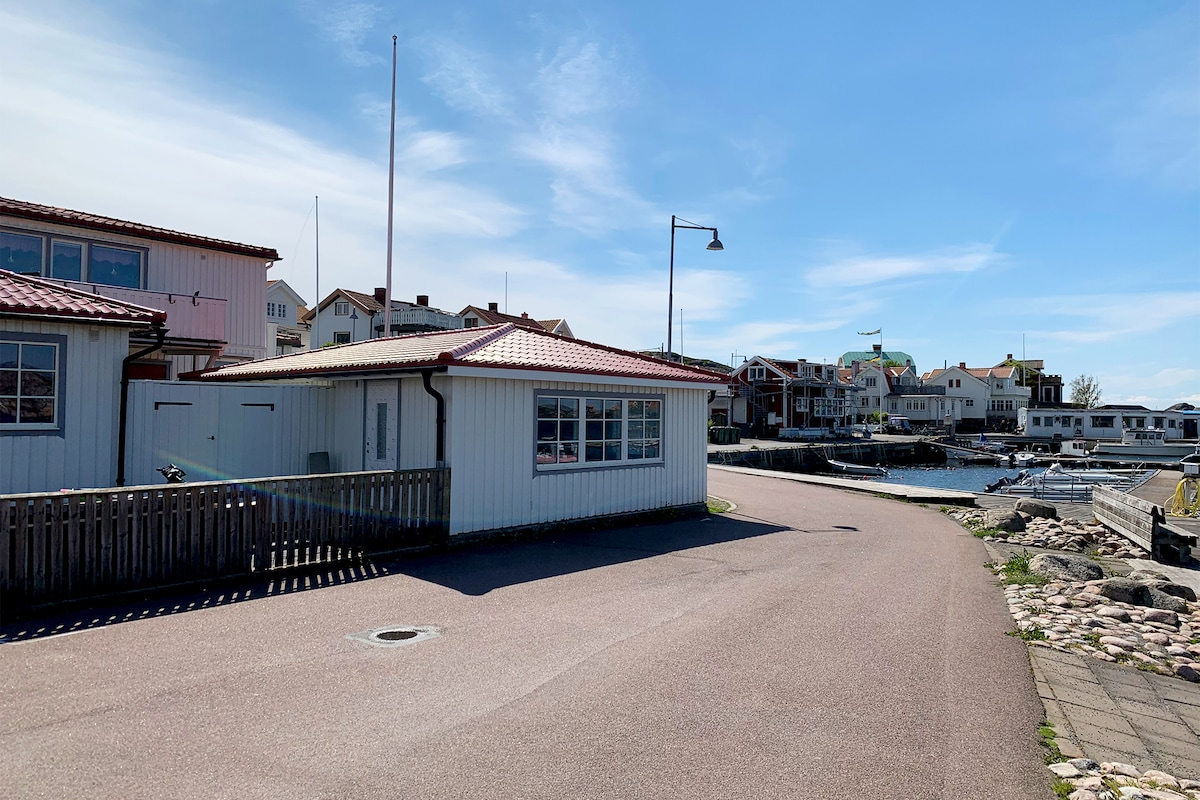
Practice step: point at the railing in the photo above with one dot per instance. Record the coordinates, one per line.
(188, 316)
(76, 545)
(424, 318)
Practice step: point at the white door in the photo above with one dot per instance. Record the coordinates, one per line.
(246, 439)
(381, 425)
(185, 433)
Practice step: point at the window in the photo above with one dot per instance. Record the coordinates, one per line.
(1036, 422)
(1103, 422)
(969, 402)
(29, 385)
(870, 382)
(471, 323)
(341, 337)
(1158, 422)
(270, 309)
(598, 431)
(341, 309)
(756, 373)
(1170, 423)
(281, 310)
(95, 262)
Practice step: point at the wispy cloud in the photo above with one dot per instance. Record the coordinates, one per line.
(1103, 318)
(867, 270)
(463, 77)
(347, 24)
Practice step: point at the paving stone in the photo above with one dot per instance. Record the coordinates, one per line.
(1162, 728)
(1098, 702)
(1157, 710)
(1106, 739)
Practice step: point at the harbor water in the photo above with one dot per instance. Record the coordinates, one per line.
(964, 479)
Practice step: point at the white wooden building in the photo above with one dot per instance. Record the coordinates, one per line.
(61, 359)
(536, 428)
(213, 291)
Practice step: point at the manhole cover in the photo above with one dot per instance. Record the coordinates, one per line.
(396, 635)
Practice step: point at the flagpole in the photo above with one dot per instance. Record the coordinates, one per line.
(387, 292)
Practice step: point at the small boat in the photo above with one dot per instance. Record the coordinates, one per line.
(1069, 485)
(846, 468)
(1021, 459)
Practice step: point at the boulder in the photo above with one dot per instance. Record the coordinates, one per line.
(1177, 589)
(1168, 602)
(1124, 590)
(1065, 567)
(1005, 520)
(1036, 508)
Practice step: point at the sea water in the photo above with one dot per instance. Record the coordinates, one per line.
(965, 479)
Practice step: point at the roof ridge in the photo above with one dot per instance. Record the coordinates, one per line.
(466, 348)
(619, 351)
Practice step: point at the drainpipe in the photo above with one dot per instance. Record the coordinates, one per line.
(161, 333)
(426, 378)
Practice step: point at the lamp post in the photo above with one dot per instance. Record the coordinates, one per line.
(882, 376)
(715, 244)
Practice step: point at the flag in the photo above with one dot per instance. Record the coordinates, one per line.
(870, 333)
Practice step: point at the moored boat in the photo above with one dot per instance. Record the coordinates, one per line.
(1141, 443)
(846, 468)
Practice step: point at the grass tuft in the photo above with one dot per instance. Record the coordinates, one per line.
(1016, 571)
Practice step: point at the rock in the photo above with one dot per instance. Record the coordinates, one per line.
(1118, 768)
(1065, 770)
(1005, 520)
(1084, 764)
(1162, 794)
(1124, 590)
(1162, 600)
(1130, 793)
(1036, 508)
(1189, 672)
(1113, 612)
(1163, 780)
(1164, 616)
(1176, 589)
(1083, 794)
(1066, 567)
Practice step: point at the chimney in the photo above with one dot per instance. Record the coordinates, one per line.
(494, 307)
(423, 300)
(380, 294)
(962, 365)
(877, 348)
(524, 315)
(855, 367)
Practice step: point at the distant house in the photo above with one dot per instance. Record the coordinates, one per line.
(1045, 389)
(876, 354)
(536, 428)
(475, 317)
(1107, 422)
(63, 355)
(346, 316)
(772, 395)
(284, 329)
(212, 291)
(968, 391)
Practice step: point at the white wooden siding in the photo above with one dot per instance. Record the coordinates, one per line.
(250, 438)
(491, 427)
(85, 455)
(183, 269)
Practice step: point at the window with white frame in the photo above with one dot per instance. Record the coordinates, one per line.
(341, 309)
(341, 337)
(870, 382)
(44, 255)
(756, 373)
(29, 385)
(598, 431)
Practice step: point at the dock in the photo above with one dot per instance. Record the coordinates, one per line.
(914, 494)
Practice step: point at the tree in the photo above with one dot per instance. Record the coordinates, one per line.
(1085, 392)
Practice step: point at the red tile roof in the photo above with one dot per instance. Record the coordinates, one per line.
(21, 294)
(95, 222)
(500, 346)
(499, 318)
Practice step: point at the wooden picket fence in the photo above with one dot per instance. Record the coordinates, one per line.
(76, 545)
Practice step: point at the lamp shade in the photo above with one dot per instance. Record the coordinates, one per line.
(715, 244)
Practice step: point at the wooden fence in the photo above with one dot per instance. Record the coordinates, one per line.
(76, 545)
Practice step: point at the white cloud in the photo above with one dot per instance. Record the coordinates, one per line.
(869, 270)
(462, 77)
(1113, 317)
(347, 24)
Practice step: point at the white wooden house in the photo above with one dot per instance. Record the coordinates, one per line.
(212, 291)
(536, 428)
(285, 333)
(62, 352)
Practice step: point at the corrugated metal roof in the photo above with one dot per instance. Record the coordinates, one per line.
(505, 346)
(22, 294)
(80, 219)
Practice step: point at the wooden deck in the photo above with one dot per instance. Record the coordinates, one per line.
(1159, 490)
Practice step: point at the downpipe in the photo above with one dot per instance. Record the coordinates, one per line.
(123, 420)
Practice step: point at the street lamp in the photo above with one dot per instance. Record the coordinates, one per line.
(715, 244)
(882, 375)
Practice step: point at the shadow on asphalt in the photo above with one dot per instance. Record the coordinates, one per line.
(471, 568)
(482, 568)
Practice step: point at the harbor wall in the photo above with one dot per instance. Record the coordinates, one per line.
(815, 457)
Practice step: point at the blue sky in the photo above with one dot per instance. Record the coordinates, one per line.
(977, 180)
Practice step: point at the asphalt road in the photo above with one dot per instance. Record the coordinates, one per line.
(814, 644)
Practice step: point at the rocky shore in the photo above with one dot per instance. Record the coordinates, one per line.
(1068, 601)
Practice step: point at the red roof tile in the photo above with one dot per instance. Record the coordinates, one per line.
(79, 219)
(505, 346)
(21, 294)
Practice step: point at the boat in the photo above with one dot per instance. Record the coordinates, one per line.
(1141, 443)
(846, 468)
(1022, 459)
(1058, 483)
